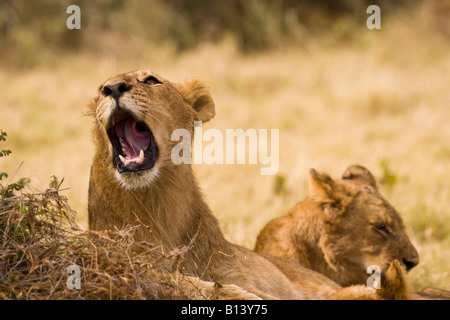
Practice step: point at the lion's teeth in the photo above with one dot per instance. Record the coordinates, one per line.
(122, 144)
(122, 159)
(141, 155)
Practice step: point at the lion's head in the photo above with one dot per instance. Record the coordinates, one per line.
(135, 116)
(341, 229)
(361, 228)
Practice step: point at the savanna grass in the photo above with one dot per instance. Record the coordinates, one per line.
(40, 239)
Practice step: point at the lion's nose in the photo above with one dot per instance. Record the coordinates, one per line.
(411, 262)
(115, 89)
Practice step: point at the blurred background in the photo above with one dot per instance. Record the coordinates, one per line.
(339, 93)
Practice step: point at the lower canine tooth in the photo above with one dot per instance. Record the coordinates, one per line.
(122, 159)
(141, 154)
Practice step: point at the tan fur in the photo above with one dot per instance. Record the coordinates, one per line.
(394, 286)
(167, 199)
(434, 294)
(340, 229)
(198, 289)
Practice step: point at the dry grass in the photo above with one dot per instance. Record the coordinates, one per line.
(46, 255)
(40, 239)
(380, 100)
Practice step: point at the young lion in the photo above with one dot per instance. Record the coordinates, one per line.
(340, 229)
(134, 179)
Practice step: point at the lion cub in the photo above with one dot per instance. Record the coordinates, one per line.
(340, 229)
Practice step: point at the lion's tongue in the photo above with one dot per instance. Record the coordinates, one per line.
(135, 140)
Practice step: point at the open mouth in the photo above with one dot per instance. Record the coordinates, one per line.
(133, 144)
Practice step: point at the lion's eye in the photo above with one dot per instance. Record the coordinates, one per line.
(151, 81)
(383, 228)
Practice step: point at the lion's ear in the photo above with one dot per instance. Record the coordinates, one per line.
(320, 186)
(327, 193)
(196, 94)
(360, 175)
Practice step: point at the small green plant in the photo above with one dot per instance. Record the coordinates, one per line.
(7, 196)
(21, 211)
(279, 187)
(9, 189)
(3, 153)
(388, 178)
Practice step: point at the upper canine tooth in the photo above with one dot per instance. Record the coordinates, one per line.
(141, 154)
(122, 143)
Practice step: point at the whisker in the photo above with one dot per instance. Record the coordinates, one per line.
(154, 117)
(160, 111)
(154, 184)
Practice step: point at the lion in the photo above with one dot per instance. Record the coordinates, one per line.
(133, 179)
(341, 229)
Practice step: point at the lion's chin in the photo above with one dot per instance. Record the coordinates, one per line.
(138, 180)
